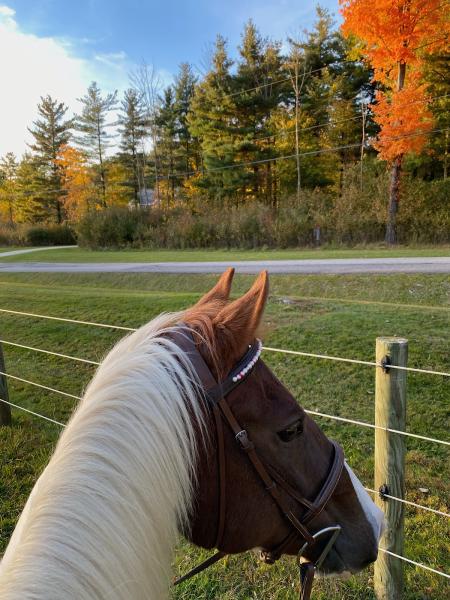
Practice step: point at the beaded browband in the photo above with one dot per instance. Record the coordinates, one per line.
(252, 362)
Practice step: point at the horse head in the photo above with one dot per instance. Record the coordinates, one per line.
(234, 509)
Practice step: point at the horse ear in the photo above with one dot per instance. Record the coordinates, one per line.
(241, 318)
(221, 291)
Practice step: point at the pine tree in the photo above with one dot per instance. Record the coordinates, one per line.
(32, 199)
(184, 88)
(50, 132)
(94, 127)
(166, 122)
(212, 121)
(332, 94)
(259, 66)
(437, 77)
(133, 123)
(8, 185)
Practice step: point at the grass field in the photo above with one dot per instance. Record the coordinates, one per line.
(339, 315)
(83, 255)
(10, 248)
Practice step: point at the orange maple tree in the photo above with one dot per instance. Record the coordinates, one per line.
(394, 36)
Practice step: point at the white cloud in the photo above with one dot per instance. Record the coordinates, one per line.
(35, 66)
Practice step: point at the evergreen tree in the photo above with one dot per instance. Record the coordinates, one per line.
(212, 121)
(32, 195)
(259, 66)
(133, 123)
(334, 94)
(8, 186)
(50, 132)
(435, 161)
(166, 121)
(184, 88)
(95, 127)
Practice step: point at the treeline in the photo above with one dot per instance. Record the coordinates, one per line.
(269, 127)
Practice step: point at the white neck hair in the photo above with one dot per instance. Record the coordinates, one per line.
(102, 520)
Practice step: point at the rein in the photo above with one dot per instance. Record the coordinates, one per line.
(273, 482)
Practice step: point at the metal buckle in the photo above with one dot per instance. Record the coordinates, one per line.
(335, 530)
(243, 440)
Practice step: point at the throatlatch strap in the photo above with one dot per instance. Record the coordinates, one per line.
(306, 580)
(222, 475)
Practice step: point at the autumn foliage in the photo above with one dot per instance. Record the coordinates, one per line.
(394, 37)
(76, 181)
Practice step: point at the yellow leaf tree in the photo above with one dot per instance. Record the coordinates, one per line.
(77, 183)
(394, 37)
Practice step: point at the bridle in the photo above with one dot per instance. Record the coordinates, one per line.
(216, 396)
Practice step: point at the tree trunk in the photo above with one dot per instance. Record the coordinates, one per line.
(297, 155)
(58, 211)
(446, 156)
(10, 207)
(102, 169)
(394, 191)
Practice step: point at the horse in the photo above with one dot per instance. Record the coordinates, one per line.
(184, 429)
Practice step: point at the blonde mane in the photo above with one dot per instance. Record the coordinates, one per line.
(102, 520)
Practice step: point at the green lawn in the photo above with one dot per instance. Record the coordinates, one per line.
(339, 315)
(83, 255)
(10, 248)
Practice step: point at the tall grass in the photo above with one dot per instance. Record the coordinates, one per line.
(355, 216)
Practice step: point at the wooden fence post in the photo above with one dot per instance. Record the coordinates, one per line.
(5, 409)
(390, 449)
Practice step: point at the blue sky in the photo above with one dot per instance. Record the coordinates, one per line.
(59, 46)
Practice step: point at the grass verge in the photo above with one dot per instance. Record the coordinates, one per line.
(339, 315)
(84, 255)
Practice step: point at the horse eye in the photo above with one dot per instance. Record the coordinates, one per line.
(291, 432)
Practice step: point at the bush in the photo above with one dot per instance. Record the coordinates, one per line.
(11, 235)
(112, 228)
(50, 235)
(356, 215)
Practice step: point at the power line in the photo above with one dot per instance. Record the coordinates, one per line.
(286, 79)
(300, 154)
(62, 191)
(332, 123)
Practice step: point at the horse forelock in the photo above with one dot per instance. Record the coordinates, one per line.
(103, 517)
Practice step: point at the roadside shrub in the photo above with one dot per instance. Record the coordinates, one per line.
(354, 215)
(112, 228)
(11, 235)
(50, 235)
(424, 215)
(23, 234)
